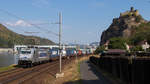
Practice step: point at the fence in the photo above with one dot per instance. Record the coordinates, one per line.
(130, 69)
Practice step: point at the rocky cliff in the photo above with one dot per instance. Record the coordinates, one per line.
(122, 26)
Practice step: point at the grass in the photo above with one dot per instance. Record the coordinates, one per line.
(79, 81)
(79, 76)
(78, 67)
(6, 68)
(76, 74)
(72, 73)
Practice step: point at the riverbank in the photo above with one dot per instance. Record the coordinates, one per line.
(2, 69)
(4, 50)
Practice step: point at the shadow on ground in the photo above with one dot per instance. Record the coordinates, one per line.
(84, 82)
(100, 79)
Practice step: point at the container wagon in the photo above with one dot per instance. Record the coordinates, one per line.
(79, 52)
(54, 53)
(71, 52)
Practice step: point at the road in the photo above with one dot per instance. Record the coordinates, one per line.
(89, 75)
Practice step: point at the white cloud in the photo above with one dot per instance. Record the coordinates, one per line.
(41, 3)
(19, 23)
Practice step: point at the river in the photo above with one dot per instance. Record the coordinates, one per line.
(7, 59)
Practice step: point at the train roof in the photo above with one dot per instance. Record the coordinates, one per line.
(26, 49)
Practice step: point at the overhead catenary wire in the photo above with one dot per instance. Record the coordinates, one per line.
(31, 33)
(27, 32)
(34, 25)
(10, 26)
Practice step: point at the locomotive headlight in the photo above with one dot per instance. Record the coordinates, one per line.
(24, 58)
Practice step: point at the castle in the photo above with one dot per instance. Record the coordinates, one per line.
(132, 12)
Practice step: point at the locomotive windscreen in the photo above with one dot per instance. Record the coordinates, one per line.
(25, 52)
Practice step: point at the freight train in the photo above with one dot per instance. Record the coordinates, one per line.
(31, 56)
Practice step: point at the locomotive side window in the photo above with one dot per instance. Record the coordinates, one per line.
(43, 54)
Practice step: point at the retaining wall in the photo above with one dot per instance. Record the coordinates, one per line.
(130, 69)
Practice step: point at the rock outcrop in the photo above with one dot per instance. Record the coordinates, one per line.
(122, 26)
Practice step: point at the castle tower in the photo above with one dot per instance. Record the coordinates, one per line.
(132, 9)
(137, 12)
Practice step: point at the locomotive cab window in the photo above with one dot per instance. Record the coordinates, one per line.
(25, 52)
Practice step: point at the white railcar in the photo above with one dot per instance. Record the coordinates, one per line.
(31, 56)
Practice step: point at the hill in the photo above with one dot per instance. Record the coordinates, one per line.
(94, 44)
(129, 25)
(8, 38)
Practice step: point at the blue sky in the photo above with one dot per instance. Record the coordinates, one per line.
(83, 20)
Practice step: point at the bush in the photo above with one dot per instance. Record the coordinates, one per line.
(142, 32)
(99, 49)
(138, 18)
(137, 48)
(117, 43)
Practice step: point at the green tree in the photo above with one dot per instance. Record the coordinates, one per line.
(138, 18)
(10, 44)
(137, 48)
(117, 43)
(99, 49)
(142, 32)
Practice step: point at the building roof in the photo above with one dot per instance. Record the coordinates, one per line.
(116, 51)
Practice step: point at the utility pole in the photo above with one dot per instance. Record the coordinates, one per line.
(60, 48)
(60, 74)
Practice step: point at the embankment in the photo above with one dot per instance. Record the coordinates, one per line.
(2, 50)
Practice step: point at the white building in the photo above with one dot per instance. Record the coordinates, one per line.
(145, 45)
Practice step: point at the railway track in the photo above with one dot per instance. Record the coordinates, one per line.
(52, 70)
(25, 76)
(14, 76)
(9, 72)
